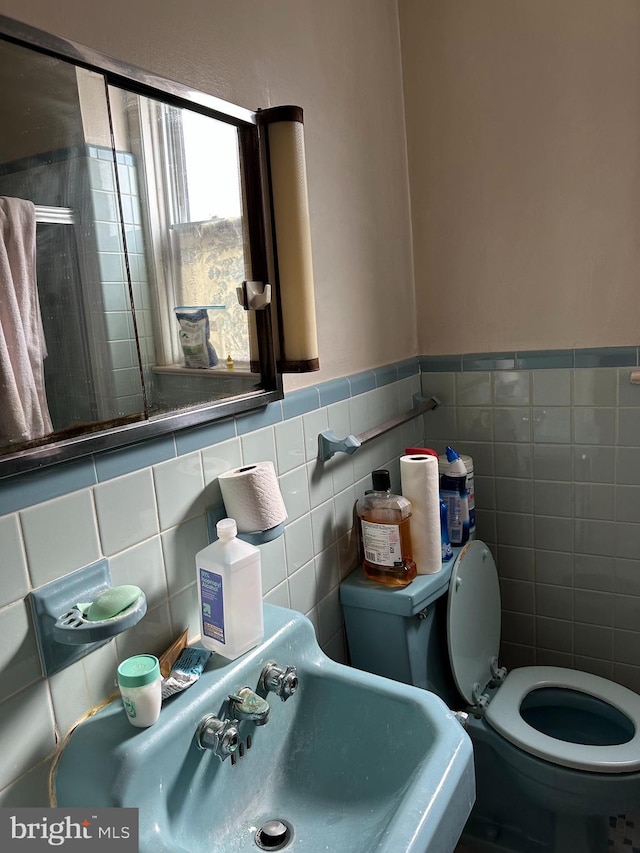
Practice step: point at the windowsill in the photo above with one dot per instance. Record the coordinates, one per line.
(221, 371)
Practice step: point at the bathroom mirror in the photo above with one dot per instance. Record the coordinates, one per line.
(150, 211)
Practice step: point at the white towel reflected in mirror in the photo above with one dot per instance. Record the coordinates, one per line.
(24, 414)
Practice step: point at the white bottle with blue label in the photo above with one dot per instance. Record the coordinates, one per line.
(453, 491)
(229, 593)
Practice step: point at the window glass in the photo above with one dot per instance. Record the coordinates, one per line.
(190, 242)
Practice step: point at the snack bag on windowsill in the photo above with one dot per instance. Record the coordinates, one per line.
(197, 348)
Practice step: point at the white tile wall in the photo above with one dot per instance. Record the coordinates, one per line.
(15, 583)
(557, 496)
(142, 565)
(127, 512)
(28, 731)
(150, 524)
(19, 659)
(557, 464)
(289, 439)
(60, 535)
(215, 460)
(179, 489)
(259, 446)
(180, 544)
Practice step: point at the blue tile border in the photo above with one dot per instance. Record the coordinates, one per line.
(23, 490)
(386, 375)
(362, 382)
(544, 359)
(269, 415)
(45, 158)
(63, 155)
(125, 460)
(407, 368)
(532, 360)
(197, 438)
(441, 363)
(334, 391)
(489, 361)
(300, 402)
(607, 357)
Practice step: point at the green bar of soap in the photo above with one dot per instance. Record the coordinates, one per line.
(113, 601)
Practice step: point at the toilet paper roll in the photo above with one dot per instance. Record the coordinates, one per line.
(420, 484)
(252, 497)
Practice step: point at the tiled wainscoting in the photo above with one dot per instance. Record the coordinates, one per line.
(555, 439)
(145, 509)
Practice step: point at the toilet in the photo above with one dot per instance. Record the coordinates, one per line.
(556, 751)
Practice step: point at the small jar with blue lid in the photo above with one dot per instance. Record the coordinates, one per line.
(140, 686)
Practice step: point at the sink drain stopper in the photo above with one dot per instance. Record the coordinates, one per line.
(273, 835)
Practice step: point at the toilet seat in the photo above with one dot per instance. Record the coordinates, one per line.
(503, 714)
(473, 632)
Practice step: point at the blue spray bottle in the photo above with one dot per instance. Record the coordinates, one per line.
(453, 491)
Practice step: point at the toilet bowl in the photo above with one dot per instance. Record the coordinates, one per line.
(605, 738)
(556, 750)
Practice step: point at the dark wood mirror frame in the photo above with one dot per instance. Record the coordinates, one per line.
(105, 436)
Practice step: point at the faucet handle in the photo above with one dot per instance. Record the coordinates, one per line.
(247, 705)
(220, 736)
(279, 679)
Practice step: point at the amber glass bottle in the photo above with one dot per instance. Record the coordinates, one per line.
(385, 530)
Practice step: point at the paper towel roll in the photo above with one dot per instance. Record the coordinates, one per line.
(420, 484)
(252, 497)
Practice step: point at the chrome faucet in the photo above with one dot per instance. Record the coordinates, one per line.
(247, 705)
(220, 736)
(282, 680)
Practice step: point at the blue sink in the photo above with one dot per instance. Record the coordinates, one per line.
(351, 762)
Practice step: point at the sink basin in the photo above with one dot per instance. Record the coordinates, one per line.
(351, 762)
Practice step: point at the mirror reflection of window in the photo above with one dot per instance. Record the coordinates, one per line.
(207, 227)
(192, 217)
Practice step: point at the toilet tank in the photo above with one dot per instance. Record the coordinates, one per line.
(400, 632)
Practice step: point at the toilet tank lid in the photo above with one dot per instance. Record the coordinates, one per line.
(356, 590)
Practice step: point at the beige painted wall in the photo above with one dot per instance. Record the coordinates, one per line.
(338, 60)
(523, 127)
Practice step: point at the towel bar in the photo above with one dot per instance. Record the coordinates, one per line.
(329, 443)
(46, 214)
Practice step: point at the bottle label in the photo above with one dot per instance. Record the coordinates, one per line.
(471, 494)
(457, 516)
(381, 543)
(212, 616)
